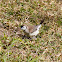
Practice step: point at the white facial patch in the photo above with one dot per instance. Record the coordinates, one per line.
(23, 28)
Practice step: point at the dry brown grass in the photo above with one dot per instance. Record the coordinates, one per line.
(13, 48)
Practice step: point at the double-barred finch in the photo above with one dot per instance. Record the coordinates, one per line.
(32, 30)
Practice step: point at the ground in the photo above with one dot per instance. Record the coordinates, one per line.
(14, 47)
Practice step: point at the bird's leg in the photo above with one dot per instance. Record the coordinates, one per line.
(38, 36)
(34, 37)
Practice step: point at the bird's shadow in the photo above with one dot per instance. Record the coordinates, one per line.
(25, 36)
(28, 37)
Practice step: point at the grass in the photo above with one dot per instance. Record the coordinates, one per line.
(15, 48)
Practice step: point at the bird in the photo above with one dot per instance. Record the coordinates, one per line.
(32, 30)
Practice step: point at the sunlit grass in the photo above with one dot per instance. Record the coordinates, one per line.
(14, 47)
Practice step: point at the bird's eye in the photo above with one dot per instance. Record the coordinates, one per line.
(21, 26)
(26, 18)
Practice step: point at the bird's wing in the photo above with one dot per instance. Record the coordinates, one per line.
(31, 28)
(34, 28)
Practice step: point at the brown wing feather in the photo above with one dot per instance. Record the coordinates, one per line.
(30, 27)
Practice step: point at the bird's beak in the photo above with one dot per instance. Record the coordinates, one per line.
(21, 26)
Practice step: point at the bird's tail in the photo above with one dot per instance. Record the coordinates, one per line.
(42, 21)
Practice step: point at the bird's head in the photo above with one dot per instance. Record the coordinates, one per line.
(23, 27)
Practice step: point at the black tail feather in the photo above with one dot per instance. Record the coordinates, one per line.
(42, 21)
